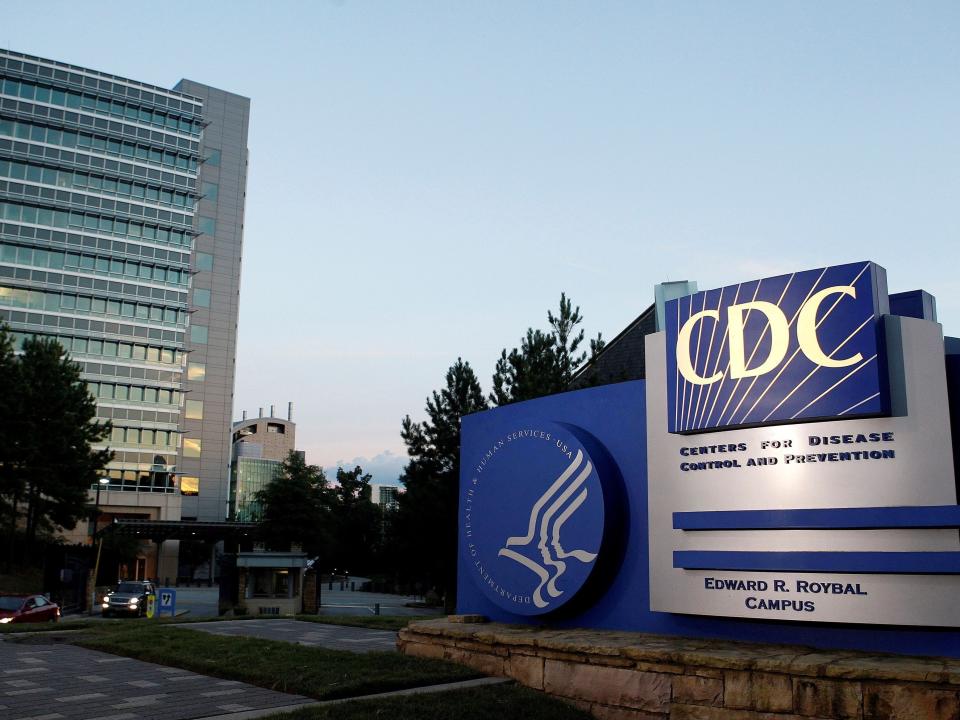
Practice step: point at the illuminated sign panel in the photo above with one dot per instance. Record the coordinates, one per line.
(790, 348)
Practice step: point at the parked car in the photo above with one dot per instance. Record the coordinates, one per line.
(28, 608)
(129, 598)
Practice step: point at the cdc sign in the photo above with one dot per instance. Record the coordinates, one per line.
(794, 347)
(788, 459)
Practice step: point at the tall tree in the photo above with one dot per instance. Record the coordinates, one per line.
(48, 456)
(545, 362)
(357, 522)
(11, 483)
(425, 524)
(295, 508)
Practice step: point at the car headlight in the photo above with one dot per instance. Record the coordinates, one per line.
(106, 604)
(106, 598)
(134, 601)
(6, 620)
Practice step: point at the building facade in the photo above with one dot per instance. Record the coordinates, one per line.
(386, 496)
(121, 218)
(260, 446)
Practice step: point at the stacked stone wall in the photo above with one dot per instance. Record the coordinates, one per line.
(632, 676)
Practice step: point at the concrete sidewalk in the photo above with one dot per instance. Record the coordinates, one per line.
(333, 637)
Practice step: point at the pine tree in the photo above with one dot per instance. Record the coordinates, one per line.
(47, 458)
(545, 362)
(425, 525)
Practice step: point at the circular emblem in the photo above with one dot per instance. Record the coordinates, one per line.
(532, 517)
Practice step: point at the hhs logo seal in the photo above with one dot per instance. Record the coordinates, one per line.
(532, 517)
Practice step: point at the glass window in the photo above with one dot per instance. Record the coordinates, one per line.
(139, 352)
(204, 261)
(150, 395)
(207, 225)
(189, 485)
(136, 393)
(124, 350)
(213, 158)
(210, 191)
(123, 392)
(165, 396)
(191, 447)
(198, 334)
(194, 409)
(196, 371)
(153, 354)
(201, 297)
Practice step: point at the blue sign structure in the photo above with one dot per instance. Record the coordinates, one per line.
(631, 507)
(167, 602)
(562, 506)
(784, 349)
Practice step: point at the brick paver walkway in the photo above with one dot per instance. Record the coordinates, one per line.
(53, 681)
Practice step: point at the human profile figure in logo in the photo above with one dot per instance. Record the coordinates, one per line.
(547, 517)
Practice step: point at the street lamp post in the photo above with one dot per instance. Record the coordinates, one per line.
(101, 482)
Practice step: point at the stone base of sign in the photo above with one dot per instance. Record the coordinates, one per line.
(621, 676)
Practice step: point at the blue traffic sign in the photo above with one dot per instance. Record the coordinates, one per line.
(166, 601)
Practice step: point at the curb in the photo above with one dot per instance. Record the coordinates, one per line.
(428, 689)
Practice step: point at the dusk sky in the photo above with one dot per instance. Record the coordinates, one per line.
(427, 177)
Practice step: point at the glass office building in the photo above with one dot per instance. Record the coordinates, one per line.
(121, 219)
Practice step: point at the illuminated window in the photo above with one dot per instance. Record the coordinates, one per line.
(191, 447)
(195, 409)
(189, 485)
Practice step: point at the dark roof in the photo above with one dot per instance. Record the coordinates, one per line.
(623, 357)
(159, 530)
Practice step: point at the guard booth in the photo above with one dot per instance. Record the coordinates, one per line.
(269, 583)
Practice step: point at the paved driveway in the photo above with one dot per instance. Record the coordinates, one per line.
(335, 637)
(54, 681)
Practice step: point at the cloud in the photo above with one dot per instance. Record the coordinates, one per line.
(385, 467)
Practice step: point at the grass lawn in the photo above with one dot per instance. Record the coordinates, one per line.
(287, 667)
(503, 702)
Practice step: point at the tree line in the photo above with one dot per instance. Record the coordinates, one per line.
(415, 544)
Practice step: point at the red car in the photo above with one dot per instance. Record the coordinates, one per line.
(28, 608)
